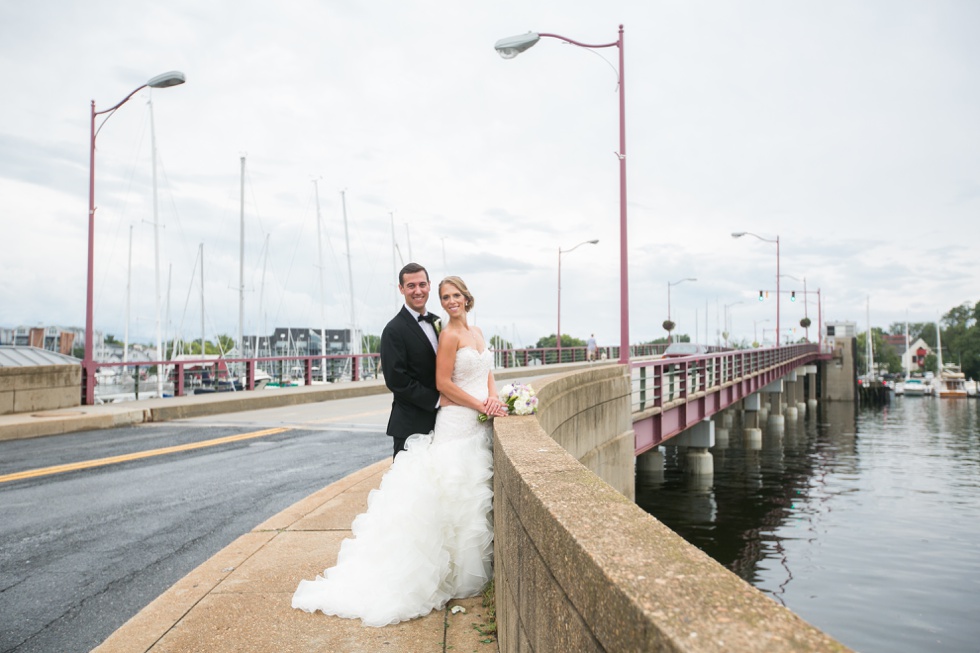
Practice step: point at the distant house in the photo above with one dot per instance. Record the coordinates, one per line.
(53, 338)
(296, 341)
(913, 357)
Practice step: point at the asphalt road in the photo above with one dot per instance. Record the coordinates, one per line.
(82, 551)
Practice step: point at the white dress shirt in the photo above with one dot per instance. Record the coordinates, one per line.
(427, 328)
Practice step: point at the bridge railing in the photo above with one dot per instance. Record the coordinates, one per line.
(659, 382)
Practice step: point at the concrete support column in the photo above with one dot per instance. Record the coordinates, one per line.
(811, 400)
(698, 439)
(790, 384)
(751, 431)
(698, 462)
(726, 419)
(651, 461)
(776, 421)
(791, 412)
(721, 438)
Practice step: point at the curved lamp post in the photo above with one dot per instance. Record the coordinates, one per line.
(739, 234)
(560, 252)
(512, 46)
(670, 335)
(165, 80)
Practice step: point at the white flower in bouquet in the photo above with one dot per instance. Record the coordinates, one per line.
(519, 399)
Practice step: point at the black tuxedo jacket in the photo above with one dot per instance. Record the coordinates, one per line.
(409, 365)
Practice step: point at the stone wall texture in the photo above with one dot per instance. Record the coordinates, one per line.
(37, 388)
(580, 567)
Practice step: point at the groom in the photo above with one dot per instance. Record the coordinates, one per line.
(408, 358)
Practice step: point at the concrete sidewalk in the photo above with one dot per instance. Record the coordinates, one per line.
(239, 600)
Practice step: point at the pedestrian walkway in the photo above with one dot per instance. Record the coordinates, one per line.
(239, 600)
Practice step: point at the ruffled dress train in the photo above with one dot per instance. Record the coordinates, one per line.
(427, 535)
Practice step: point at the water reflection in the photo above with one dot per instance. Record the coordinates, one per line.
(863, 522)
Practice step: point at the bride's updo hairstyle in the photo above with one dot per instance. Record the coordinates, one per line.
(459, 283)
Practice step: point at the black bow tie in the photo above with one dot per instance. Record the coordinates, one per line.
(428, 317)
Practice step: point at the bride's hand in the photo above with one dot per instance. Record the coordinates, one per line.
(494, 407)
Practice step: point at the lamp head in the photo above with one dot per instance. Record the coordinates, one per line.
(594, 242)
(738, 234)
(173, 78)
(510, 47)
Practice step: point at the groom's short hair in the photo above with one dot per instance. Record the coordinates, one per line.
(411, 268)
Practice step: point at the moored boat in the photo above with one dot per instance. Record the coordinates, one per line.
(916, 387)
(951, 383)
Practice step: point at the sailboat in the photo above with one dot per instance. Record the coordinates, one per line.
(951, 382)
(869, 376)
(899, 387)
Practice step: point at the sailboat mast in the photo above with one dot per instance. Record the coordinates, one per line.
(907, 360)
(241, 262)
(355, 345)
(129, 284)
(323, 297)
(869, 348)
(265, 260)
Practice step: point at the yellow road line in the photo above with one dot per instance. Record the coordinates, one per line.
(99, 462)
(340, 418)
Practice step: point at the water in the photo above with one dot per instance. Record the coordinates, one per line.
(865, 523)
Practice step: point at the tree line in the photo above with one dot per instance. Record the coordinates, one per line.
(959, 332)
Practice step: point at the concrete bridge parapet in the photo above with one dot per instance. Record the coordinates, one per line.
(580, 567)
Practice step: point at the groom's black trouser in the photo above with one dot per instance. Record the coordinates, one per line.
(399, 445)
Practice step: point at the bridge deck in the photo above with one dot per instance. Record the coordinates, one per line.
(672, 395)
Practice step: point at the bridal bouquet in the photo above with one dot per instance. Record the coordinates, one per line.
(519, 398)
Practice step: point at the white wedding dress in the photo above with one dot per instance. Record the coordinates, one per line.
(427, 535)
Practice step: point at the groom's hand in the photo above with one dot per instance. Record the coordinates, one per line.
(493, 407)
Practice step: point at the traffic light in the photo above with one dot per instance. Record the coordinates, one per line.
(760, 295)
(792, 296)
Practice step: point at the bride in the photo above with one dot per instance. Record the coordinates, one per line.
(427, 535)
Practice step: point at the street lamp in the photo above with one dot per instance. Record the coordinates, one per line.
(739, 234)
(511, 47)
(755, 329)
(165, 80)
(560, 252)
(669, 284)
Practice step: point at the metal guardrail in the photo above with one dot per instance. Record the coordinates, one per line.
(659, 382)
(655, 380)
(187, 374)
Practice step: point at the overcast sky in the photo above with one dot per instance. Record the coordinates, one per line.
(849, 129)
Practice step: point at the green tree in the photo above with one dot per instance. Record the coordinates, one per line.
(961, 338)
(226, 342)
(566, 341)
(886, 359)
(498, 343)
(372, 344)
